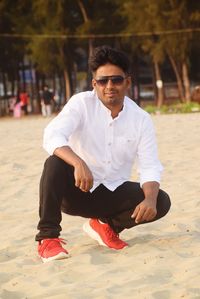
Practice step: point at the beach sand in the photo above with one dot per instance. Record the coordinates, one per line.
(163, 259)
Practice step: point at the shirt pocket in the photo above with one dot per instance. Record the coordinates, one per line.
(125, 148)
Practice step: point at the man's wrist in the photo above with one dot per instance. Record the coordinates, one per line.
(77, 162)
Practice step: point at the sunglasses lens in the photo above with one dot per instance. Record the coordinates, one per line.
(116, 80)
(102, 82)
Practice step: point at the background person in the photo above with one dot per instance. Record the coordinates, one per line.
(17, 107)
(24, 101)
(46, 101)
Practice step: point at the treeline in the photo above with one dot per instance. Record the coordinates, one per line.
(55, 37)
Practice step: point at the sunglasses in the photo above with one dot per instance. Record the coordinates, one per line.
(116, 80)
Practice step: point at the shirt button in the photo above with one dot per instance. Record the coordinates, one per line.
(108, 162)
(109, 143)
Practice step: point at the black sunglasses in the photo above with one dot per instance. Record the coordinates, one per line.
(116, 80)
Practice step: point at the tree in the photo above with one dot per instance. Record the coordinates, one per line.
(54, 54)
(96, 19)
(144, 16)
(49, 22)
(157, 20)
(11, 49)
(179, 15)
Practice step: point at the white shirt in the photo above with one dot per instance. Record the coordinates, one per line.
(108, 146)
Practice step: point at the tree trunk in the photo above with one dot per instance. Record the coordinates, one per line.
(186, 82)
(90, 46)
(38, 94)
(65, 54)
(32, 86)
(90, 51)
(90, 41)
(83, 11)
(13, 86)
(159, 85)
(23, 84)
(4, 79)
(67, 85)
(178, 78)
(136, 85)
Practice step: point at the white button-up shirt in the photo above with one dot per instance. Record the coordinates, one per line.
(108, 146)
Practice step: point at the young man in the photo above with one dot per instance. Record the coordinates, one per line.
(93, 143)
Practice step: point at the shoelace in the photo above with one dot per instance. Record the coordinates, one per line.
(45, 244)
(111, 234)
(60, 240)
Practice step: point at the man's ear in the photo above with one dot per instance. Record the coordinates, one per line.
(94, 83)
(129, 82)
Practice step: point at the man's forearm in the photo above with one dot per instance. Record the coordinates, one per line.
(67, 155)
(151, 190)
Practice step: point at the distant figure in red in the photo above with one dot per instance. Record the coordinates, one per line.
(24, 99)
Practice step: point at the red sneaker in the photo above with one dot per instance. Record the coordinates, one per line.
(103, 234)
(51, 249)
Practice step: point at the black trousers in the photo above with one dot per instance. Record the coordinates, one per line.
(58, 193)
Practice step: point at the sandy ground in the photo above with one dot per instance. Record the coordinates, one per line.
(163, 259)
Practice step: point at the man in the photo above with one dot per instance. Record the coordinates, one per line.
(47, 98)
(93, 143)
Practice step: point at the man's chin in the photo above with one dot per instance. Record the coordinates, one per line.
(111, 97)
(113, 101)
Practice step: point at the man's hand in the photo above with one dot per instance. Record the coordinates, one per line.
(83, 177)
(145, 211)
(82, 174)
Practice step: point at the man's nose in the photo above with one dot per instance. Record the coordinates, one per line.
(109, 83)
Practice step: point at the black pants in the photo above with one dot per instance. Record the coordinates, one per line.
(59, 193)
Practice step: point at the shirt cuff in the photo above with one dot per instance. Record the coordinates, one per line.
(150, 177)
(54, 144)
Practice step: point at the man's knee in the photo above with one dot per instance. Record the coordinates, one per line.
(164, 203)
(54, 165)
(54, 162)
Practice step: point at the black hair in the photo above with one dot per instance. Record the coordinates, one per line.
(105, 54)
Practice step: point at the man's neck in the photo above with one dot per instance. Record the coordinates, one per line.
(115, 110)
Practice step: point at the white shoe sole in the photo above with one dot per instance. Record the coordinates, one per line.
(94, 235)
(59, 256)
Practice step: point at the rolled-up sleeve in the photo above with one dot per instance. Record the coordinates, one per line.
(148, 164)
(58, 131)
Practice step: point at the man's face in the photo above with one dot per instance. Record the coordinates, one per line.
(111, 85)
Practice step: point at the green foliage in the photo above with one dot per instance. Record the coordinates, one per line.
(175, 108)
(11, 50)
(60, 17)
(162, 15)
(145, 16)
(81, 76)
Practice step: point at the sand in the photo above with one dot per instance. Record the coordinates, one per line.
(163, 259)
